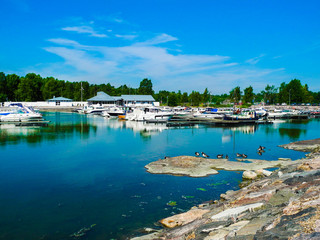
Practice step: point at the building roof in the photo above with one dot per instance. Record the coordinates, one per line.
(56, 99)
(117, 98)
(138, 98)
(102, 97)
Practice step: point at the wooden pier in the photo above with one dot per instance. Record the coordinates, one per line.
(27, 124)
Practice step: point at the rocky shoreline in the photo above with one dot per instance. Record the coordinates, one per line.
(284, 205)
(202, 167)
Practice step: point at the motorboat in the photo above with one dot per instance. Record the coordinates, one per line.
(92, 109)
(209, 113)
(276, 114)
(115, 111)
(17, 112)
(242, 115)
(148, 114)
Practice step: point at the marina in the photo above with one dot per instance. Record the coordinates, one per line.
(84, 169)
(159, 120)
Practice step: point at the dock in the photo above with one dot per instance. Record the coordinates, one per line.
(27, 124)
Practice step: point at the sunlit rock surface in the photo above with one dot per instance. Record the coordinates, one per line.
(201, 167)
(283, 205)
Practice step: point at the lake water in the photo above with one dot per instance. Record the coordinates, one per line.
(83, 170)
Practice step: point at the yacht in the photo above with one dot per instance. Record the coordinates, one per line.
(115, 111)
(276, 114)
(92, 109)
(149, 114)
(17, 112)
(242, 115)
(209, 113)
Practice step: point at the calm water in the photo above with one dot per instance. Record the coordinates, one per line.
(83, 170)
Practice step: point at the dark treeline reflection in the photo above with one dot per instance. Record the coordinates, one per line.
(53, 132)
(292, 133)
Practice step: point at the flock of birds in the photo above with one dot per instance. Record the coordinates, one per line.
(242, 155)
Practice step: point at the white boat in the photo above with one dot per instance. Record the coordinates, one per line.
(92, 109)
(148, 114)
(276, 114)
(16, 112)
(242, 115)
(261, 112)
(115, 111)
(209, 113)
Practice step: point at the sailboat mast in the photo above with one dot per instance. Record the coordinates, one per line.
(81, 91)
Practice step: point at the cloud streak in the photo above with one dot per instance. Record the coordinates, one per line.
(85, 29)
(255, 60)
(128, 64)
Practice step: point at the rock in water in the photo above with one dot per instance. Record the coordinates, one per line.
(183, 218)
(249, 175)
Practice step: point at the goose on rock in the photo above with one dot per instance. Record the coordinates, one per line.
(204, 155)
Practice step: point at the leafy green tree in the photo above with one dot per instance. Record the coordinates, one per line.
(3, 87)
(248, 95)
(145, 87)
(270, 94)
(172, 99)
(235, 94)
(283, 93)
(307, 95)
(205, 96)
(195, 98)
(51, 89)
(13, 81)
(295, 90)
(29, 88)
(179, 96)
(68, 90)
(162, 97)
(184, 98)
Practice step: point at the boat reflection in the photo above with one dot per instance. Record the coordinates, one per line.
(146, 130)
(227, 135)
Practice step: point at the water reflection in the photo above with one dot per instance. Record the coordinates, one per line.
(69, 125)
(11, 134)
(227, 135)
(250, 129)
(292, 133)
(82, 125)
(146, 130)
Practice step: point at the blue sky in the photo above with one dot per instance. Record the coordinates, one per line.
(180, 45)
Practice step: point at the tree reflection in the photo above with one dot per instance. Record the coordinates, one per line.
(53, 132)
(292, 133)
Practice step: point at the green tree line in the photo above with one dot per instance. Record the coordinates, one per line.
(33, 87)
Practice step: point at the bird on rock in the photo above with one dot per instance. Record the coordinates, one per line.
(204, 155)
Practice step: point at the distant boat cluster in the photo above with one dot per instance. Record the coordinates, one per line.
(17, 112)
(209, 115)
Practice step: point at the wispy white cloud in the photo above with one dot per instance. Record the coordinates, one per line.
(62, 41)
(255, 60)
(85, 29)
(171, 70)
(162, 38)
(127, 37)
